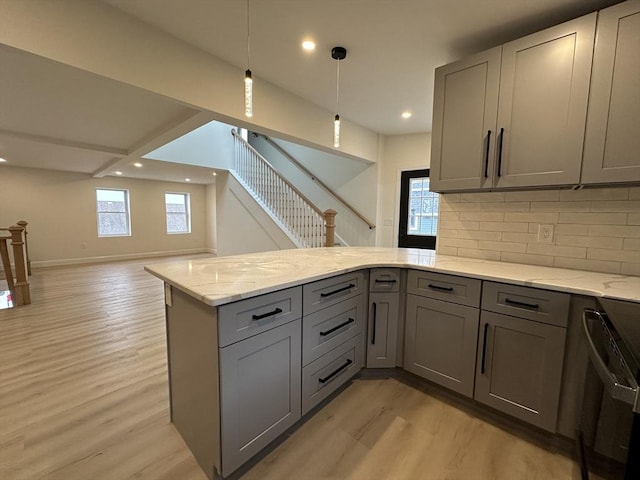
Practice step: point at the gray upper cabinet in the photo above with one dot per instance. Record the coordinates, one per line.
(464, 120)
(612, 141)
(531, 133)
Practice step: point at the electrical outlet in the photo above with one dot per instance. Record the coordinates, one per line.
(545, 233)
(83, 244)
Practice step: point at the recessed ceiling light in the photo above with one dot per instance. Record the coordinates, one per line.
(3, 160)
(137, 164)
(214, 174)
(118, 172)
(406, 114)
(309, 45)
(187, 179)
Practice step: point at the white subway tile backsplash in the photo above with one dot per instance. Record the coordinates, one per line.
(593, 218)
(519, 237)
(503, 226)
(560, 206)
(595, 229)
(533, 196)
(571, 229)
(627, 256)
(480, 235)
(482, 197)
(615, 193)
(482, 216)
(544, 260)
(531, 217)
(475, 253)
(502, 246)
(556, 250)
(626, 231)
(611, 243)
(585, 264)
(632, 206)
(631, 244)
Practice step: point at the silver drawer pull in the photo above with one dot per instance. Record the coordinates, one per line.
(337, 327)
(515, 303)
(268, 314)
(379, 280)
(336, 371)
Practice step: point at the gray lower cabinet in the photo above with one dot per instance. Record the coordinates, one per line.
(260, 391)
(440, 342)
(383, 330)
(519, 368)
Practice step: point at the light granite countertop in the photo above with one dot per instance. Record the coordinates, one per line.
(220, 280)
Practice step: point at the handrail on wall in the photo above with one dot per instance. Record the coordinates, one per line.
(316, 179)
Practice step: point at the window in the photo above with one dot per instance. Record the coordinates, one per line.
(178, 218)
(113, 213)
(418, 211)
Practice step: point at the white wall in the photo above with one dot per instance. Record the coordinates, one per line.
(242, 225)
(98, 38)
(210, 220)
(400, 153)
(210, 145)
(61, 210)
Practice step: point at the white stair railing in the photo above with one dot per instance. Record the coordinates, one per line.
(304, 222)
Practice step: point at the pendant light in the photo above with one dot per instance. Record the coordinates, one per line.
(248, 81)
(337, 53)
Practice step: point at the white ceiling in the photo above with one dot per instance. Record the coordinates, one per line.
(58, 117)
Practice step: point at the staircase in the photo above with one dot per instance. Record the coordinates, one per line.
(305, 224)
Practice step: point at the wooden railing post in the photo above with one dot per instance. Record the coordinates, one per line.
(21, 285)
(330, 220)
(24, 224)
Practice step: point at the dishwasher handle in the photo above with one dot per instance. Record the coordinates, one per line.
(616, 389)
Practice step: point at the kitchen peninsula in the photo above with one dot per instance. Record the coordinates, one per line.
(257, 341)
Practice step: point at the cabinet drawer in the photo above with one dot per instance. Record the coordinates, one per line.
(384, 280)
(324, 330)
(450, 288)
(531, 303)
(245, 318)
(325, 375)
(327, 292)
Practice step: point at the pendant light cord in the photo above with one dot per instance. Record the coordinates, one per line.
(248, 35)
(338, 87)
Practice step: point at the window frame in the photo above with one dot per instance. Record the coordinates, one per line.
(127, 212)
(187, 213)
(406, 240)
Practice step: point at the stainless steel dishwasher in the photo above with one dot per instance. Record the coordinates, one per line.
(609, 440)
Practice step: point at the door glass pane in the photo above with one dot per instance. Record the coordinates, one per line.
(423, 208)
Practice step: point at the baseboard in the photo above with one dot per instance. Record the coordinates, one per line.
(113, 258)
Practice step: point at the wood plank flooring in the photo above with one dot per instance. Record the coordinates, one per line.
(84, 395)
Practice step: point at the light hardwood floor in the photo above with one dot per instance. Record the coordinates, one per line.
(84, 395)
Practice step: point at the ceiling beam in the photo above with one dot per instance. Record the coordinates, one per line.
(65, 143)
(166, 133)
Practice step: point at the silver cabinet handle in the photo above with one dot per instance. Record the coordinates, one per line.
(627, 394)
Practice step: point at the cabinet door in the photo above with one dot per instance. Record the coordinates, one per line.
(612, 142)
(260, 392)
(544, 88)
(440, 342)
(520, 368)
(383, 330)
(465, 105)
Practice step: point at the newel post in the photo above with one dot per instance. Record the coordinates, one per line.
(24, 224)
(330, 221)
(21, 286)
